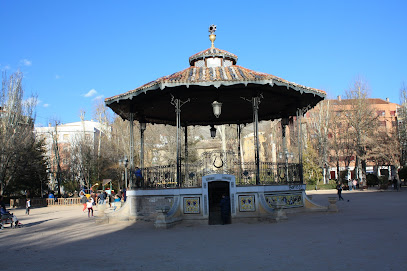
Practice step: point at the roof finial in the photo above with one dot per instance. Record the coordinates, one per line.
(212, 36)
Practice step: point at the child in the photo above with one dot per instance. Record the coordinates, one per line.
(89, 204)
(116, 202)
(27, 207)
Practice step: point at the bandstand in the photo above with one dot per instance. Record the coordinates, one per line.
(215, 91)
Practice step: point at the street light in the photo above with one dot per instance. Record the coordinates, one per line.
(217, 107)
(124, 162)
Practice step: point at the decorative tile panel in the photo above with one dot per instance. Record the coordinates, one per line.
(289, 200)
(191, 205)
(246, 204)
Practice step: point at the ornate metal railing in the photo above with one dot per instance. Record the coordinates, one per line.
(222, 163)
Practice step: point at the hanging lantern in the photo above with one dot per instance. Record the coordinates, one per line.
(216, 106)
(213, 131)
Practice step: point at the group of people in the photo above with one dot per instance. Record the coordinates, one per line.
(102, 198)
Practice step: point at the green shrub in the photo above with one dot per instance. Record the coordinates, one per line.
(330, 185)
(372, 179)
(403, 173)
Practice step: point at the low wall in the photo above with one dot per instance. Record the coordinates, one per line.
(40, 202)
(192, 204)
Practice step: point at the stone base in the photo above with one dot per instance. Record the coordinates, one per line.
(332, 204)
(162, 221)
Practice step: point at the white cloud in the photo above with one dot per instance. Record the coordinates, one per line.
(99, 97)
(45, 105)
(26, 62)
(91, 93)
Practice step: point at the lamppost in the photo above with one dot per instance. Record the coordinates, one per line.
(142, 129)
(124, 162)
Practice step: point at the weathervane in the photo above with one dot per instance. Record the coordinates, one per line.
(212, 36)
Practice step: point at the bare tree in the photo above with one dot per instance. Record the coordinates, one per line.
(16, 124)
(319, 123)
(402, 124)
(362, 121)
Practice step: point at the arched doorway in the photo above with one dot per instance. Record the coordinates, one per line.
(215, 191)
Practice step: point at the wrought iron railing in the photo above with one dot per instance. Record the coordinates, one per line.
(192, 173)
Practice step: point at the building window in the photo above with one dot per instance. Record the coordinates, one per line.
(393, 113)
(381, 113)
(382, 123)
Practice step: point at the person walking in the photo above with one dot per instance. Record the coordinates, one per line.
(102, 198)
(89, 204)
(116, 202)
(354, 184)
(84, 199)
(339, 188)
(27, 206)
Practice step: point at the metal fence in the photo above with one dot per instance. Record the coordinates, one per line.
(192, 173)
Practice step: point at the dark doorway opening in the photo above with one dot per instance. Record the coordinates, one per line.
(215, 191)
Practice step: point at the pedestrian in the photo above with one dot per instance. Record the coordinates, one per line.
(102, 197)
(339, 188)
(225, 209)
(2, 204)
(94, 198)
(139, 177)
(84, 200)
(354, 184)
(124, 195)
(27, 206)
(116, 202)
(89, 204)
(395, 184)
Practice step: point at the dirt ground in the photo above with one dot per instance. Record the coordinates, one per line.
(368, 233)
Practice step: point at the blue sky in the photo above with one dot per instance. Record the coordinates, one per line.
(73, 53)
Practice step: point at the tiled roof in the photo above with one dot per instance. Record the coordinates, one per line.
(351, 101)
(217, 76)
(212, 52)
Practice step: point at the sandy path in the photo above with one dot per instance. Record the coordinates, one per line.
(368, 233)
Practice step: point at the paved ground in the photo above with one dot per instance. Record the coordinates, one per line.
(368, 233)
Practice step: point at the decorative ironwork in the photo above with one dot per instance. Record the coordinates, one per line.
(245, 173)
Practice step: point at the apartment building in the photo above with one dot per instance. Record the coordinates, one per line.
(61, 139)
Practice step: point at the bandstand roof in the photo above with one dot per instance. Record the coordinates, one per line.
(214, 76)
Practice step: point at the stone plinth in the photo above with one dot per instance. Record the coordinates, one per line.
(332, 204)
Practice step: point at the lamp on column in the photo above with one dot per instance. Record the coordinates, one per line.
(142, 126)
(217, 107)
(284, 121)
(213, 131)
